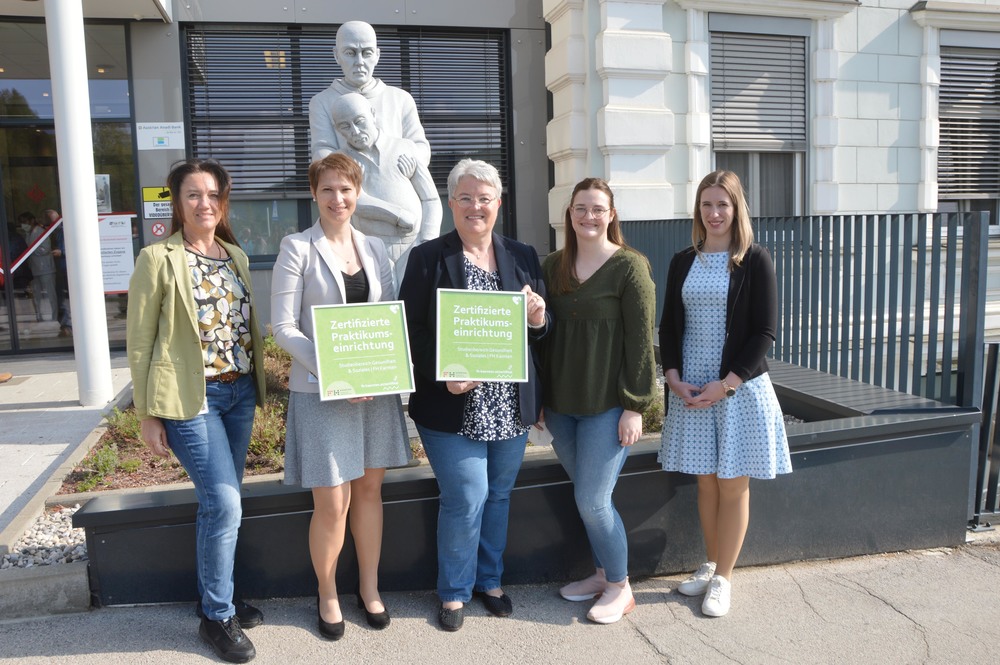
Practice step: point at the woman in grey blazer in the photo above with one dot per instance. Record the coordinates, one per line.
(339, 449)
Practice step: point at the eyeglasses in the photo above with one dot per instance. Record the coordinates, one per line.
(467, 201)
(581, 211)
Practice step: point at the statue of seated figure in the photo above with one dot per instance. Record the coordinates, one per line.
(395, 188)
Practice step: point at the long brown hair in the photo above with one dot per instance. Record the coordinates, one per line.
(741, 236)
(565, 279)
(179, 173)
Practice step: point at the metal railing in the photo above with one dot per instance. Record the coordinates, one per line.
(894, 300)
(986, 501)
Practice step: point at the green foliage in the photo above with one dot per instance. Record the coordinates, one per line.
(130, 465)
(103, 460)
(652, 418)
(125, 428)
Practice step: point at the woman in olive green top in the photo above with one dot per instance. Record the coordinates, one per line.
(599, 376)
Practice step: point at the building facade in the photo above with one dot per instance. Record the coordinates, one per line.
(822, 106)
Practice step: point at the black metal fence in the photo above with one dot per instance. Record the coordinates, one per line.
(894, 300)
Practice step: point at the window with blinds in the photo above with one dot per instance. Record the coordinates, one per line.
(969, 110)
(758, 92)
(248, 91)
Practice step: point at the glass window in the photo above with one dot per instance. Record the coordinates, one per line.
(25, 85)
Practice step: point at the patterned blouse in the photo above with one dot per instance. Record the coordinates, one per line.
(223, 306)
(492, 412)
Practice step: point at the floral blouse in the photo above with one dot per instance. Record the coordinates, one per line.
(223, 313)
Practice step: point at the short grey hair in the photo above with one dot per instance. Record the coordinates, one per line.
(477, 169)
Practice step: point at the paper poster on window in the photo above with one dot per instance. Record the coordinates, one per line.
(362, 350)
(117, 261)
(482, 336)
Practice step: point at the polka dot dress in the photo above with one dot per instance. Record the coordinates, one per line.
(743, 435)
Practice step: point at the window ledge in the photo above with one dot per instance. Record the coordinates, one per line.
(811, 9)
(956, 15)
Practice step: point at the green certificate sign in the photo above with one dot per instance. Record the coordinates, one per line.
(482, 336)
(362, 350)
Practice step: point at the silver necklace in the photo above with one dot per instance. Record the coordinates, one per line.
(218, 248)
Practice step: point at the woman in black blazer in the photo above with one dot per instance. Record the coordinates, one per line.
(473, 432)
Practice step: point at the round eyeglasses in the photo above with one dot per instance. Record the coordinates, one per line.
(582, 211)
(468, 201)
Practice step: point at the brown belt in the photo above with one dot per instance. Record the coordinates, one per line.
(225, 377)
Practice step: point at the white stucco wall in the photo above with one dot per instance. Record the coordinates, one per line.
(631, 99)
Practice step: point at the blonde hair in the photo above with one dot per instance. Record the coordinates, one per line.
(741, 235)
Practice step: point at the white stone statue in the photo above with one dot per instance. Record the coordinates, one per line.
(357, 54)
(396, 187)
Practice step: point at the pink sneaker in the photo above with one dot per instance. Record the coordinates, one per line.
(614, 603)
(585, 589)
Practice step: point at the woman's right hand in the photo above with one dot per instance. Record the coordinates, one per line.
(459, 387)
(155, 436)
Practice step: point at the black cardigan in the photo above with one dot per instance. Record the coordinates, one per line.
(437, 264)
(751, 314)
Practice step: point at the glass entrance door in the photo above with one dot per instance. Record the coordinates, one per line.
(35, 308)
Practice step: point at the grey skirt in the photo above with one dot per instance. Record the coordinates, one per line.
(331, 443)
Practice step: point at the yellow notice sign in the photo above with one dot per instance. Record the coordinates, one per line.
(156, 203)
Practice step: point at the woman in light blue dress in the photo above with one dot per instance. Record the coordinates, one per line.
(723, 423)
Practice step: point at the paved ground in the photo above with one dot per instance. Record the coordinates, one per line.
(41, 428)
(935, 606)
(938, 606)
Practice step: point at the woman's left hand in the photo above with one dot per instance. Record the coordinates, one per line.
(629, 427)
(711, 393)
(536, 307)
(356, 400)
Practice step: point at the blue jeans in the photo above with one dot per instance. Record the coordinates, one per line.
(212, 447)
(475, 479)
(589, 449)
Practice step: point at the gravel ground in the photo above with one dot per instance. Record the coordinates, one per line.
(51, 539)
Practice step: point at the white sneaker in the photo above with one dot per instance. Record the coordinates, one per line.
(585, 589)
(698, 583)
(716, 602)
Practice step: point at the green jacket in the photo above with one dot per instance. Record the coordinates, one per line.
(164, 345)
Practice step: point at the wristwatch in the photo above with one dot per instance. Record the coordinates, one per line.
(730, 391)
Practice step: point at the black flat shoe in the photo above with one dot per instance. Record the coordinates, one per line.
(227, 639)
(331, 631)
(450, 620)
(377, 621)
(498, 606)
(249, 616)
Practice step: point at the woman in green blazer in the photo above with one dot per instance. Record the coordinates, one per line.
(196, 356)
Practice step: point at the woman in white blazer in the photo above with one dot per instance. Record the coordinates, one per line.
(340, 449)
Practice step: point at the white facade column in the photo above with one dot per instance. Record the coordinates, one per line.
(75, 150)
(568, 135)
(697, 66)
(930, 125)
(826, 129)
(610, 119)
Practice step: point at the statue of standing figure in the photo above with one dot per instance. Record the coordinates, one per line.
(395, 202)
